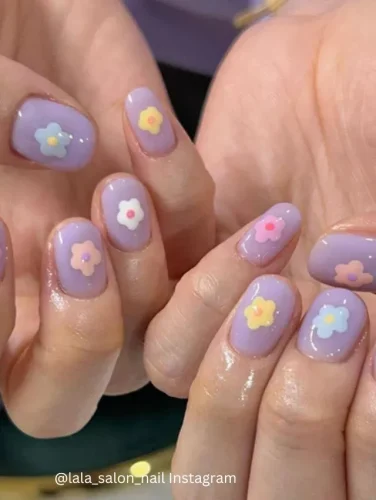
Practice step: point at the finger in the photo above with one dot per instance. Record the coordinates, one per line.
(123, 210)
(179, 336)
(162, 155)
(225, 397)
(303, 413)
(361, 436)
(7, 298)
(53, 385)
(40, 124)
(346, 255)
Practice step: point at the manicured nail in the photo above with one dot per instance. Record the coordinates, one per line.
(149, 122)
(80, 260)
(3, 250)
(345, 259)
(262, 316)
(126, 214)
(270, 234)
(333, 326)
(53, 134)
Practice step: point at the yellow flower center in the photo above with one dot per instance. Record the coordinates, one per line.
(329, 319)
(257, 311)
(52, 141)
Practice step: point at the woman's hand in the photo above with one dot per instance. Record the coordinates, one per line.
(82, 99)
(281, 409)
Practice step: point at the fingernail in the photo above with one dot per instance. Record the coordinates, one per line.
(333, 326)
(126, 214)
(149, 122)
(53, 134)
(80, 260)
(345, 259)
(262, 316)
(3, 250)
(270, 234)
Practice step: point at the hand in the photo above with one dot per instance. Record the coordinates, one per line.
(289, 118)
(67, 69)
(275, 415)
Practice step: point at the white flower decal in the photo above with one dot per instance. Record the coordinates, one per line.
(130, 213)
(331, 319)
(53, 140)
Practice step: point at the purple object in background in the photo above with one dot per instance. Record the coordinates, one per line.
(80, 259)
(149, 122)
(53, 134)
(346, 260)
(190, 34)
(263, 314)
(3, 251)
(126, 213)
(270, 234)
(333, 326)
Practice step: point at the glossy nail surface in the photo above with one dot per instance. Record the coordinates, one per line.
(262, 316)
(270, 234)
(346, 260)
(53, 134)
(126, 213)
(149, 122)
(80, 259)
(333, 326)
(3, 250)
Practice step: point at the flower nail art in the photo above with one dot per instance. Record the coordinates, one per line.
(331, 319)
(53, 140)
(260, 313)
(130, 213)
(85, 257)
(352, 274)
(269, 229)
(151, 120)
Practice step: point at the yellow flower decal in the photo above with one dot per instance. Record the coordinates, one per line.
(151, 120)
(260, 313)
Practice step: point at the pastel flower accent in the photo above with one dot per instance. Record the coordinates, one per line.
(85, 257)
(352, 274)
(331, 319)
(130, 214)
(260, 313)
(269, 228)
(151, 120)
(53, 140)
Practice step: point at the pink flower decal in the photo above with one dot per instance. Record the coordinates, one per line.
(85, 257)
(352, 274)
(269, 228)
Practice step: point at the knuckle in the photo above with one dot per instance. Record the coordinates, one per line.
(206, 289)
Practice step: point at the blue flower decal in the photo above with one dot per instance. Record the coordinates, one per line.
(331, 319)
(53, 140)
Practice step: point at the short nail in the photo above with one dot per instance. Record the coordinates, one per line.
(262, 316)
(80, 259)
(53, 134)
(333, 326)
(270, 234)
(149, 122)
(3, 250)
(346, 260)
(126, 214)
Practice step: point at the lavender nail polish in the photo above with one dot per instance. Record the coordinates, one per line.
(262, 316)
(346, 260)
(80, 260)
(333, 326)
(149, 122)
(270, 234)
(3, 250)
(53, 134)
(126, 213)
